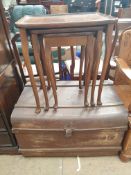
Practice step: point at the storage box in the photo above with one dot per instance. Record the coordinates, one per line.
(72, 130)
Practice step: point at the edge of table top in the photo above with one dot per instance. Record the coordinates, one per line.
(65, 20)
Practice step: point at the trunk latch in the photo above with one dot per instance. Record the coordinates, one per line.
(68, 132)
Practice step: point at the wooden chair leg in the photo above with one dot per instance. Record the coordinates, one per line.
(89, 57)
(81, 65)
(36, 49)
(24, 41)
(97, 55)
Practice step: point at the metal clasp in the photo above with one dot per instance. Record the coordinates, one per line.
(68, 132)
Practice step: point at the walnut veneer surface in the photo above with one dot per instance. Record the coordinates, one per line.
(66, 20)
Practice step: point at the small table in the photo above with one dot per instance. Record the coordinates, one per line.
(67, 25)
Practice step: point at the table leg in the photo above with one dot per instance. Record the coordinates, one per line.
(81, 65)
(43, 58)
(72, 67)
(59, 60)
(52, 68)
(88, 68)
(97, 55)
(24, 41)
(36, 49)
(108, 42)
(51, 72)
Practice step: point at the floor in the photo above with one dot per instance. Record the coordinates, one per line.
(18, 165)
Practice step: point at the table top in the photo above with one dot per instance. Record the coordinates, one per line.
(65, 20)
(124, 20)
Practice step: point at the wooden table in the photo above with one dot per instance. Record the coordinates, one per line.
(82, 24)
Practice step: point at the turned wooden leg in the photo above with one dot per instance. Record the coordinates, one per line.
(24, 41)
(81, 65)
(51, 72)
(89, 56)
(97, 55)
(36, 49)
(108, 42)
